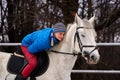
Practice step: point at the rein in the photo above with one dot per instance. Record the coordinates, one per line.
(74, 52)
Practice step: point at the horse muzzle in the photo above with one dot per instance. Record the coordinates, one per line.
(91, 58)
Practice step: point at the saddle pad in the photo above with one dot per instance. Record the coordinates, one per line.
(15, 64)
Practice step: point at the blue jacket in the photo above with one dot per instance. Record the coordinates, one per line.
(39, 40)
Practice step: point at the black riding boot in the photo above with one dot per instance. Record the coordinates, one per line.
(19, 77)
(32, 78)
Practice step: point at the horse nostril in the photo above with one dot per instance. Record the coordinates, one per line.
(93, 57)
(86, 54)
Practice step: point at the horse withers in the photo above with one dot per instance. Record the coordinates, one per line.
(79, 39)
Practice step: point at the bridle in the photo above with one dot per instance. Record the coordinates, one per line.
(81, 46)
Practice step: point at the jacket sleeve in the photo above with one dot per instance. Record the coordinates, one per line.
(27, 40)
(41, 40)
(38, 45)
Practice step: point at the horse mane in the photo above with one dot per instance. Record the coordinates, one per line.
(68, 26)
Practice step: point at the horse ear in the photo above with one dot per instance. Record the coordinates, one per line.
(77, 19)
(91, 20)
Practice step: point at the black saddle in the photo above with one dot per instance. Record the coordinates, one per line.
(17, 63)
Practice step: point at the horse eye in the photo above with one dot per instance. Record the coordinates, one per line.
(83, 35)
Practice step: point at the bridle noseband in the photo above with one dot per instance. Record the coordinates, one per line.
(81, 46)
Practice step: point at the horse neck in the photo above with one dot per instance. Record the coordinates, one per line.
(66, 62)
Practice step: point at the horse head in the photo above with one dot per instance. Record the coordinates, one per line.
(80, 38)
(86, 39)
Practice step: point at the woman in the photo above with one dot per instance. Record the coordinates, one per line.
(38, 41)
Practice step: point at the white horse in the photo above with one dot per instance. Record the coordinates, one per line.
(79, 39)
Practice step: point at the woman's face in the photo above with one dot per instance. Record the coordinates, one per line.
(59, 35)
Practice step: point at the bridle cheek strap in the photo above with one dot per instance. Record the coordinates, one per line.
(81, 46)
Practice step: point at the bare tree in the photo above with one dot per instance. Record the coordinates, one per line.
(25, 16)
